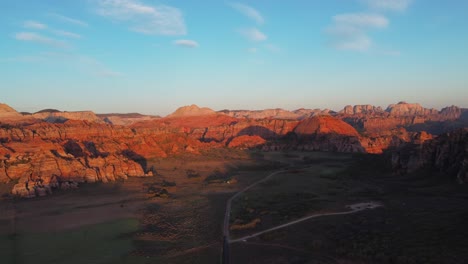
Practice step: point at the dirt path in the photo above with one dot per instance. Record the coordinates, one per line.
(227, 214)
(227, 238)
(354, 209)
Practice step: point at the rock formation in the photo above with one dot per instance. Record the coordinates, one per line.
(125, 119)
(192, 110)
(42, 155)
(447, 153)
(9, 114)
(277, 113)
(60, 117)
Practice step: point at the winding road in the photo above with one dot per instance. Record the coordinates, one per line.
(227, 238)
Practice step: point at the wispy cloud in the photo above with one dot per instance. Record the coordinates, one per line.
(391, 5)
(344, 37)
(34, 25)
(253, 34)
(350, 31)
(252, 50)
(249, 12)
(143, 18)
(363, 20)
(66, 34)
(187, 43)
(38, 38)
(69, 19)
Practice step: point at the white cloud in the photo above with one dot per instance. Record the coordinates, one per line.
(350, 31)
(344, 37)
(362, 20)
(34, 25)
(253, 34)
(38, 38)
(69, 20)
(66, 34)
(186, 43)
(146, 19)
(252, 50)
(249, 12)
(391, 5)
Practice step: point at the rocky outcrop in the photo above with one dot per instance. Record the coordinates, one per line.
(277, 113)
(60, 117)
(9, 114)
(327, 133)
(246, 142)
(45, 156)
(416, 118)
(447, 153)
(361, 109)
(406, 109)
(324, 125)
(42, 156)
(192, 110)
(125, 119)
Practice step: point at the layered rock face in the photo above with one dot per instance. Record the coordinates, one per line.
(125, 119)
(192, 110)
(447, 153)
(277, 113)
(60, 117)
(45, 156)
(327, 134)
(9, 114)
(372, 119)
(361, 109)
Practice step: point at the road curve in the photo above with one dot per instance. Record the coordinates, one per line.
(227, 214)
(354, 209)
(226, 235)
(225, 259)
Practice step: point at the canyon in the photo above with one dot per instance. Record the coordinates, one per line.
(52, 149)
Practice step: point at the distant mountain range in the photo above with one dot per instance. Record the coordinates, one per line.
(58, 149)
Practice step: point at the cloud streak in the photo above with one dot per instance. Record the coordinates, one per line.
(142, 18)
(34, 25)
(38, 38)
(69, 20)
(390, 5)
(253, 34)
(66, 34)
(351, 31)
(249, 12)
(187, 43)
(363, 20)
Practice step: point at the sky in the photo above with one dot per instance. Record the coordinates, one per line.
(152, 56)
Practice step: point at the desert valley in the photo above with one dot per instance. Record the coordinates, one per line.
(233, 132)
(240, 186)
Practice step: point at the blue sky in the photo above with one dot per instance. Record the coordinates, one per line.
(153, 56)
